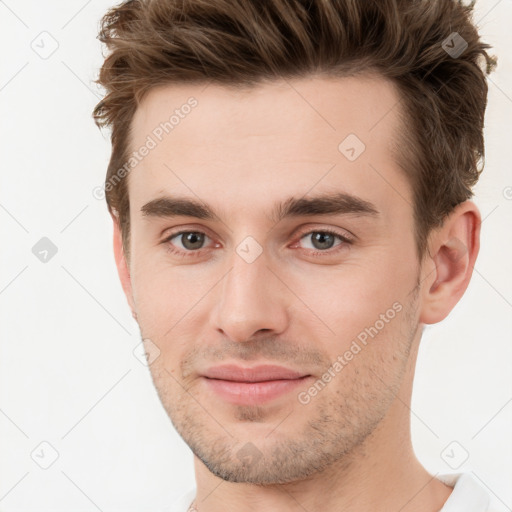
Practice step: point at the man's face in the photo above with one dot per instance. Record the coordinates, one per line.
(247, 287)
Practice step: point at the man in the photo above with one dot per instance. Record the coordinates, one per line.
(290, 187)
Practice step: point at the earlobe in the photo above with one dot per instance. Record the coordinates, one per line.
(454, 249)
(122, 265)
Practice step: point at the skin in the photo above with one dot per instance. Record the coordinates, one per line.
(240, 152)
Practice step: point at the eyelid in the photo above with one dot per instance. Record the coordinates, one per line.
(342, 233)
(303, 231)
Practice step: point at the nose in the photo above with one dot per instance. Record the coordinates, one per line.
(251, 299)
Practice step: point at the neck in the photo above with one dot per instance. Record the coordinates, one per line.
(380, 474)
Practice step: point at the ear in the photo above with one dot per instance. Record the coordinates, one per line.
(449, 262)
(122, 265)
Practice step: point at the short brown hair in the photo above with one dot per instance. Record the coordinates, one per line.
(244, 42)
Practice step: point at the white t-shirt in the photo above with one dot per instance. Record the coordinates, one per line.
(467, 496)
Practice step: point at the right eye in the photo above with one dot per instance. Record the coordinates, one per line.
(186, 241)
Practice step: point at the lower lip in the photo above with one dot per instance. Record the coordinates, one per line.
(252, 393)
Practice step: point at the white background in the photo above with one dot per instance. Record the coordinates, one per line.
(67, 369)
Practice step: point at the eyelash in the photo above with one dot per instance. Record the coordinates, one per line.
(315, 253)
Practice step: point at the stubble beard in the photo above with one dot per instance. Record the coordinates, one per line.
(309, 439)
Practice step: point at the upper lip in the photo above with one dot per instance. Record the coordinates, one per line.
(256, 374)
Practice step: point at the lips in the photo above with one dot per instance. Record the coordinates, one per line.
(257, 374)
(252, 386)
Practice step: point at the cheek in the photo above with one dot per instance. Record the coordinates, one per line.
(343, 301)
(332, 302)
(163, 293)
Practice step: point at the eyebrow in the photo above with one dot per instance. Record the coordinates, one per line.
(326, 204)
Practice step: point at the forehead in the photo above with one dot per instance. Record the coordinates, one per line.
(273, 140)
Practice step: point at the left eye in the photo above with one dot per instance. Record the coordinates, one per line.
(323, 240)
